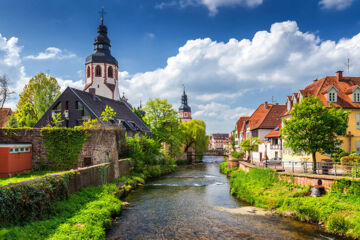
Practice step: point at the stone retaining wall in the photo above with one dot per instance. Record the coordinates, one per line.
(101, 146)
(301, 178)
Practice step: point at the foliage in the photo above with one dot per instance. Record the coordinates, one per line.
(35, 99)
(108, 114)
(162, 120)
(56, 120)
(237, 155)
(12, 122)
(24, 177)
(232, 139)
(63, 146)
(85, 215)
(339, 211)
(194, 135)
(250, 144)
(91, 124)
(139, 114)
(338, 154)
(31, 201)
(314, 128)
(225, 170)
(144, 150)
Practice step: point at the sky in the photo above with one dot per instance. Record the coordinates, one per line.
(232, 55)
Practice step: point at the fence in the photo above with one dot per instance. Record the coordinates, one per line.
(324, 168)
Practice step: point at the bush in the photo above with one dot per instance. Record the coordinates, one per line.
(31, 201)
(225, 170)
(237, 155)
(337, 223)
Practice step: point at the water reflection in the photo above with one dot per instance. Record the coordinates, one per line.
(194, 203)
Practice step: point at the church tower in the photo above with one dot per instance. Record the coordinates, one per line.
(101, 69)
(184, 109)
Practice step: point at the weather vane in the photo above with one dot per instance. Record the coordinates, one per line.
(183, 87)
(102, 13)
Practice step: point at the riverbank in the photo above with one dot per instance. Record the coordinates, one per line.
(338, 211)
(86, 214)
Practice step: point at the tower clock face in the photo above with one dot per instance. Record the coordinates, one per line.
(100, 46)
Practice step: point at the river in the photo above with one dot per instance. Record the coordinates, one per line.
(195, 203)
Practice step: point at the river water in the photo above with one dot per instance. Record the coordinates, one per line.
(195, 203)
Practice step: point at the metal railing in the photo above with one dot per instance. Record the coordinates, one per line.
(325, 168)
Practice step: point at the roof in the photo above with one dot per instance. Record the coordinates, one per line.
(275, 133)
(345, 85)
(266, 118)
(240, 123)
(123, 111)
(4, 116)
(220, 135)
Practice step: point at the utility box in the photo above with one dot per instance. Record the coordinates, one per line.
(15, 158)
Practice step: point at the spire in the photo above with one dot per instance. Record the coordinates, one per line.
(184, 102)
(102, 13)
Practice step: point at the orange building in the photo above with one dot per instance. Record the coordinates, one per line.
(15, 158)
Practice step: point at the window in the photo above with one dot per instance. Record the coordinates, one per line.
(356, 96)
(88, 72)
(84, 111)
(57, 107)
(67, 105)
(332, 96)
(97, 71)
(110, 72)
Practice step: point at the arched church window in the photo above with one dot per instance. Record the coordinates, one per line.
(98, 71)
(88, 72)
(110, 72)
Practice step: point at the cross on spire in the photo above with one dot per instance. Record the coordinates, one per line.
(102, 13)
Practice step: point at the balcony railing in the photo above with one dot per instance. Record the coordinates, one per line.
(275, 146)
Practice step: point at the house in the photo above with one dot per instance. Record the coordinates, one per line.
(240, 130)
(338, 91)
(260, 124)
(78, 106)
(5, 114)
(218, 141)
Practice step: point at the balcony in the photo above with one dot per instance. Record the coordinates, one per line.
(275, 146)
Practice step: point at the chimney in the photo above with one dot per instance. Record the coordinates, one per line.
(92, 92)
(339, 75)
(266, 105)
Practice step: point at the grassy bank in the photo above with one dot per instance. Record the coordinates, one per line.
(24, 177)
(338, 210)
(86, 214)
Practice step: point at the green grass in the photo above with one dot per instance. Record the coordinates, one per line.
(24, 177)
(85, 215)
(262, 188)
(225, 170)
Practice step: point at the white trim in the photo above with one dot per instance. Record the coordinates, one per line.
(12, 145)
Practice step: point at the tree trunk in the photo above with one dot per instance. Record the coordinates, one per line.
(314, 162)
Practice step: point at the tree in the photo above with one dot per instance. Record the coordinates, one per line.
(5, 92)
(194, 135)
(108, 114)
(162, 120)
(314, 128)
(57, 120)
(250, 144)
(35, 99)
(232, 140)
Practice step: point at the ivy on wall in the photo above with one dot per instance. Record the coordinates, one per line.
(63, 146)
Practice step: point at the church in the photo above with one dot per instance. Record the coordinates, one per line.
(184, 113)
(101, 90)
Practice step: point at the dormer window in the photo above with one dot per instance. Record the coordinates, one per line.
(332, 94)
(356, 95)
(288, 106)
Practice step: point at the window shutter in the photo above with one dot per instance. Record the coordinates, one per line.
(358, 147)
(357, 121)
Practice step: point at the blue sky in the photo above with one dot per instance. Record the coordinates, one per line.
(232, 55)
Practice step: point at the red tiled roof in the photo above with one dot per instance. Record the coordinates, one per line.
(240, 123)
(345, 87)
(4, 116)
(274, 133)
(266, 118)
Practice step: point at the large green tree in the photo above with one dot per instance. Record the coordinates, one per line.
(314, 128)
(163, 122)
(194, 135)
(35, 99)
(250, 144)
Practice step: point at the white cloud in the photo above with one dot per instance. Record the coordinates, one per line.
(225, 73)
(51, 53)
(335, 4)
(150, 35)
(212, 5)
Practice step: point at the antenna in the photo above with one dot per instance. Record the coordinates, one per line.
(348, 65)
(272, 99)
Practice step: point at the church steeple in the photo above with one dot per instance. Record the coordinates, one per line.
(101, 67)
(184, 109)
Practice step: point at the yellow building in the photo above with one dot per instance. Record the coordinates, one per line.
(339, 91)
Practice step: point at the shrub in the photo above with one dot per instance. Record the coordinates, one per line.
(31, 201)
(337, 223)
(237, 155)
